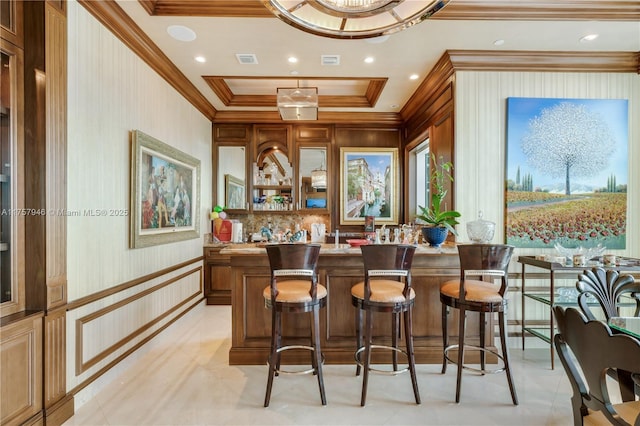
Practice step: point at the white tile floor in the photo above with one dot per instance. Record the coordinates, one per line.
(184, 379)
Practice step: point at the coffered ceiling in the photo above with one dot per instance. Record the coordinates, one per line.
(546, 34)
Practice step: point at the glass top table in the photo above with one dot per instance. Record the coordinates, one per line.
(626, 325)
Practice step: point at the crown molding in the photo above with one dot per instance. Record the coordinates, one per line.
(512, 60)
(385, 119)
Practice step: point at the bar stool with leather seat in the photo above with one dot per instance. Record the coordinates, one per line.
(478, 261)
(294, 288)
(386, 289)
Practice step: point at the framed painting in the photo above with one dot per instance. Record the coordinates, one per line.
(567, 172)
(165, 193)
(369, 185)
(234, 192)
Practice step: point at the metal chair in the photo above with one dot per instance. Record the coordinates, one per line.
(479, 261)
(386, 288)
(294, 288)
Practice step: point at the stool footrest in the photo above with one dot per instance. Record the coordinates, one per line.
(377, 370)
(473, 369)
(300, 372)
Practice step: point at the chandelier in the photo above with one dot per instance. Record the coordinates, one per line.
(297, 103)
(353, 19)
(319, 176)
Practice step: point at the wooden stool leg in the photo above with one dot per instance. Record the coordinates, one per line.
(461, 330)
(408, 335)
(272, 355)
(367, 356)
(483, 326)
(395, 326)
(358, 337)
(315, 333)
(505, 355)
(445, 337)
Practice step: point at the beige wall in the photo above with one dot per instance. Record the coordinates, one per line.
(111, 92)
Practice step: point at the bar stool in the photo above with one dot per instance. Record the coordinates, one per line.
(479, 261)
(294, 288)
(386, 288)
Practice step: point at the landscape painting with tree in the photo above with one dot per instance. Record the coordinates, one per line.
(567, 172)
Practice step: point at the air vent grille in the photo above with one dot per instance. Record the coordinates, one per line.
(330, 59)
(247, 58)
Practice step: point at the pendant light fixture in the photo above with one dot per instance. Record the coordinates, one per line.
(298, 103)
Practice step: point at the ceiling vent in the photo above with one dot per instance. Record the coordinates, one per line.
(247, 58)
(330, 59)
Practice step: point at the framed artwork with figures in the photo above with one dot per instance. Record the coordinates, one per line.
(165, 193)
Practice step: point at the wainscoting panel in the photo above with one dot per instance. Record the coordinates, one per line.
(102, 332)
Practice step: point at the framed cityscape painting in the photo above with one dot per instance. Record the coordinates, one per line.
(369, 185)
(567, 172)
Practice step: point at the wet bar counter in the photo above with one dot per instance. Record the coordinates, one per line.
(338, 269)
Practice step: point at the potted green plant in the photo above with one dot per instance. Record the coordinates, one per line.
(439, 222)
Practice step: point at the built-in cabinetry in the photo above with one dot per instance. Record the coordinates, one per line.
(274, 168)
(217, 276)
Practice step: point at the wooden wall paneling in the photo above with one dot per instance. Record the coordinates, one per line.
(239, 133)
(313, 133)
(14, 31)
(55, 155)
(271, 136)
(34, 153)
(360, 137)
(21, 371)
(55, 345)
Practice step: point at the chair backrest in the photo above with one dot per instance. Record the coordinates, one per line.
(491, 259)
(388, 261)
(294, 261)
(293, 256)
(390, 257)
(606, 286)
(595, 351)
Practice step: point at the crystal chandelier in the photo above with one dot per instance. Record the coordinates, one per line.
(353, 19)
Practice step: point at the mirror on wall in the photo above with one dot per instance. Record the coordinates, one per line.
(275, 168)
(232, 174)
(313, 178)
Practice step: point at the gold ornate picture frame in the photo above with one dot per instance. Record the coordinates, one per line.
(165, 193)
(369, 185)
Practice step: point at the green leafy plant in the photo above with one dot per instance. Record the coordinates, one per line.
(434, 215)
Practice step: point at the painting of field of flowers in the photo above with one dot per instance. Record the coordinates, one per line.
(567, 172)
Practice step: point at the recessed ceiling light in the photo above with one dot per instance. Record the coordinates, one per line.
(413, 77)
(393, 106)
(498, 42)
(200, 59)
(294, 72)
(369, 60)
(181, 33)
(588, 37)
(292, 59)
